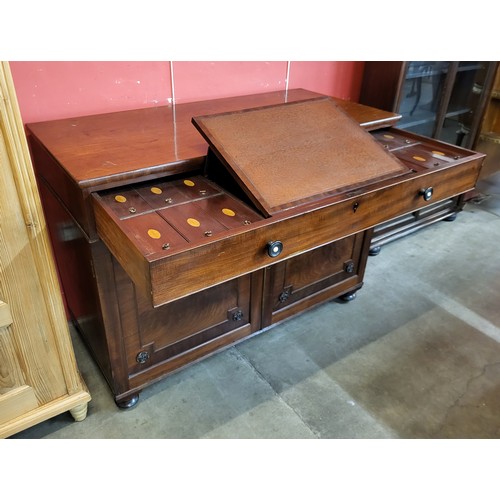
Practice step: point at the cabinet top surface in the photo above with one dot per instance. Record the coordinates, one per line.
(128, 144)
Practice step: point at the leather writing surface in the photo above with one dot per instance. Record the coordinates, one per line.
(288, 154)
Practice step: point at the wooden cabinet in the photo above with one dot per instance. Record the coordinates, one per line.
(181, 231)
(439, 99)
(488, 140)
(38, 374)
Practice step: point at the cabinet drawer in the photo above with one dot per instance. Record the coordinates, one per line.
(187, 247)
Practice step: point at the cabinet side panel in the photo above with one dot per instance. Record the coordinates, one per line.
(47, 168)
(74, 256)
(381, 82)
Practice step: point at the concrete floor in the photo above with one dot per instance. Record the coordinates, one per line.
(416, 355)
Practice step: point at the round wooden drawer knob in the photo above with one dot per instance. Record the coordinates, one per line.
(274, 248)
(426, 193)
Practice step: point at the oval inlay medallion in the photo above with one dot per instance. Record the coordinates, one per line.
(228, 212)
(153, 233)
(120, 198)
(156, 190)
(189, 183)
(193, 222)
(419, 158)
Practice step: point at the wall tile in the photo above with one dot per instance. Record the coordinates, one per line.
(335, 78)
(194, 81)
(59, 89)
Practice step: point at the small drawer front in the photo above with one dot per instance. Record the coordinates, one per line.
(230, 212)
(392, 139)
(193, 223)
(136, 200)
(204, 218)
(152, 235)
(161, 195)
(126, 203)
(422, 155)
(196, 187)
(419, 151)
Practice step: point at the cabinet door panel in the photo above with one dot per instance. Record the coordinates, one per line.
(11, 375)
(16, 402)
(16, 398)
(324, 272)
(153, 335)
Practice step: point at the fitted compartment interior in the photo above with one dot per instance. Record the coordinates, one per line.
(168, 214)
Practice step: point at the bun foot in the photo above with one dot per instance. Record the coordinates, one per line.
(347, 297)
(126, 404)
(374, 251)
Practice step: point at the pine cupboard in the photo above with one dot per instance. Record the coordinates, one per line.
(39, 377)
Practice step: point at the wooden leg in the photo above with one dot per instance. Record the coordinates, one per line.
(125, 404)
(79, 412)
(347, 297)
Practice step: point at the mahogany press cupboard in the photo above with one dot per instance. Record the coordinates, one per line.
(179, 230)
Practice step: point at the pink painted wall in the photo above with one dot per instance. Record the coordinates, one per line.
(51, 90)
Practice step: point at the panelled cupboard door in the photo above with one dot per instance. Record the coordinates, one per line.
(20, 287)
(16, 398)
(38, 374)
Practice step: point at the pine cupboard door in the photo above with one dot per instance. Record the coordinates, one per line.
(16, 398)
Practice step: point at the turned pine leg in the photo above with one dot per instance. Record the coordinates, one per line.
(79, 412)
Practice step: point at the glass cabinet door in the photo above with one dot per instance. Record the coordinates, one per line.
(420, 95)
(461, 114)
(442, 99)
